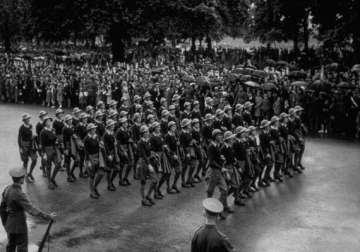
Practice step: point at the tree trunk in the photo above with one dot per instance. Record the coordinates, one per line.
(356, 54)
(306, 34)
(117, 42)
(7, 43)
(7, 36)
(193, 45)
(208, 43)
(296, 43)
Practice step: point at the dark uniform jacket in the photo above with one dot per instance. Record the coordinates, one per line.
(237, 120)
(17, 204)
(208, 239)
(58, 126)
(214, 156)
(25, 136)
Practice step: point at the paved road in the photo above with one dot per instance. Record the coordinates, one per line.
(316, 211)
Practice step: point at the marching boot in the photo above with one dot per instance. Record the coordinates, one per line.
(111, 186)
(97, 181)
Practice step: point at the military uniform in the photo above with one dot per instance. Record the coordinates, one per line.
(48, 142)
(17, 204)
(27, 147)
(208, 238)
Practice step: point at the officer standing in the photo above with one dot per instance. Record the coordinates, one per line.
(16, 204)
(208, 238)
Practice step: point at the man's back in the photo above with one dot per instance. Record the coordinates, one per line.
(208, 239)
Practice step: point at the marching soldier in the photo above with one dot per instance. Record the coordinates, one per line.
(238, 117)
(294, 141)
(208, 107)
(80, 133)
(164, 121)
(99, 123)
(186, 113)
(266, 152)
(125, 151)
(92, 156)
(254, 169)
(231, 173)
(69, 148)
(27, 146)
(172, 144)
(196, 113)
(76, 116)
(186, 153)
(48, 142)
(242, 162)
(197, 161)
(277, 147)
(247, 115)
(284, 133)
(218, 122)
(227, 120)
(300, 132)
(91, 114)
(215, 177)
(39, 127)
(145, 168)
(58, 125)
(135, 136)
(161, 162)
(112, 160)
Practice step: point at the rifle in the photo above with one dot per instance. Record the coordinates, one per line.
(45, 237)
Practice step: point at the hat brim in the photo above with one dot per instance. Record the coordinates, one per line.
(230, 137)
(266, 125)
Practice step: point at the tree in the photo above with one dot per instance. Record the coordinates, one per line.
(282, 20)
(338, 25)
(14, 18)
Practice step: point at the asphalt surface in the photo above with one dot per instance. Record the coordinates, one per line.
(316, 211)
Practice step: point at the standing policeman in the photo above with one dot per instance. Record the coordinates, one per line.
(16, 203)
(208, 238)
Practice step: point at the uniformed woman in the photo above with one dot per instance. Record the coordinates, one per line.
(80, 133)
(266, 152)
(172, 143)
(110, 154)
(284, 134)
(198, 160)
(26, 142)
(187, 153)
(232, 174)
(145, 168)
(161, 162)
(48, 142)
(69, 148)
(277, 146)
(126, 154)
(92, 156)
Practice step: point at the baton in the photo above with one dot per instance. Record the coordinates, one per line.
(46, 235)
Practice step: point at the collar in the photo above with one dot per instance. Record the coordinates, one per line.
(16, 185)
(92, 136)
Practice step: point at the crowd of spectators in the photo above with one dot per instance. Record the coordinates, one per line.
(330, 108)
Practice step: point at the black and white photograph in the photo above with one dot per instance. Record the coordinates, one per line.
(179, 126)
